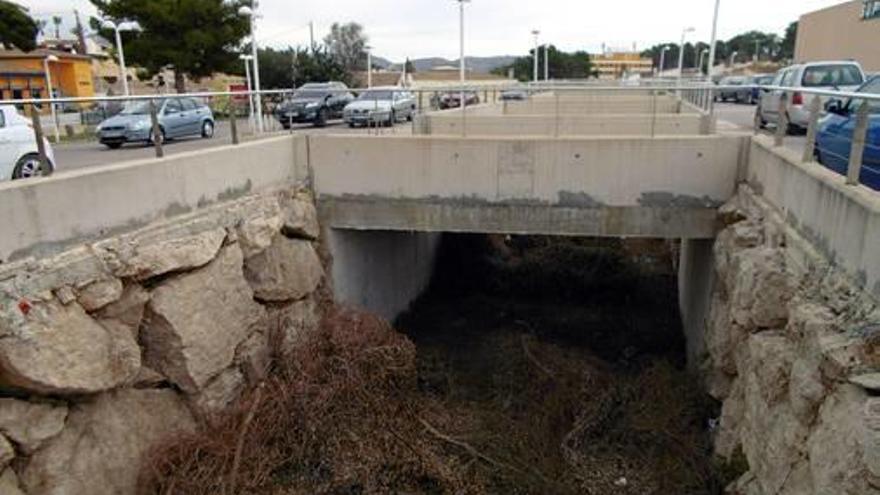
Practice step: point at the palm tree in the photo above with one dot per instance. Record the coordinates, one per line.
(57, 21)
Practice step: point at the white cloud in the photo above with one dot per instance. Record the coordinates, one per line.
(419, 28)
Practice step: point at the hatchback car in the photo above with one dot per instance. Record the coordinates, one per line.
(178, 117)
(729, 88)
(314, 103)
(380, 105)
(756, 81)
(835, 76)
(452, 99)
(19, 156)
(835, 133)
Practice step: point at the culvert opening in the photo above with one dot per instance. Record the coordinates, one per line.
(565, 360)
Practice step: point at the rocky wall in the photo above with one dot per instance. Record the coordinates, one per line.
(793, 353)
(108, 348)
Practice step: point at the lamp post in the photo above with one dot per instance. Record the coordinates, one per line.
(714, 40)
(757, 50)
(117, 28)
(369, 50)
(535, 33)
(663, 59)
(684, 33)
(249, 12)
(703, 53)
(50, 93)
(732, 59)
(461, 62)
(546, 62)
(247, 72)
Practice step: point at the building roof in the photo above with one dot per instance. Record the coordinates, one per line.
(40, 54)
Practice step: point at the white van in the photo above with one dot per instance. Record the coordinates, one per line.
(833, 76)
(19, 158)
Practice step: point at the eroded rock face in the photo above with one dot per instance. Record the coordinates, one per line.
(30, 424)
(256, 234)
(300, 218)
(288, 270)
(58, 349)
(221, 392)
(99, 294)
(9, 484)
(196, 321)
(295, 322)
(102, 448)
(148, 260)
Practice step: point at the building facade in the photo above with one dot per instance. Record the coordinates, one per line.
(23, 75)
(849, 31)
(617, 65)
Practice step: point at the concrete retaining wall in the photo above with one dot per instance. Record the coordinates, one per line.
(43, 216)
(599, 104)
(566, 125)
(843, 222)
(696, 276)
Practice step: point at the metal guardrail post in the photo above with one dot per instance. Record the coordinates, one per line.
(653, 113)
(156, 130)
(781, 121)
(815, 109)
(857, 153)
(41, 144)
(233, 120)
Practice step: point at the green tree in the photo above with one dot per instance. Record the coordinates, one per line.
(57, 20)
(16, 27)
(562, 65)
(786, 48)
(292, 67)
(194, 38)
(347, 43)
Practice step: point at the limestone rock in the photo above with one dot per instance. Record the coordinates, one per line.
(148, 378)
(771, 356)
(7, 452)
(806, 389)
(868, 381)
(254, 356)
(30, 424)
(256, 234)
(9, 484)
(295, 322)
(220, 392)
(129, 308)
(288, 270)
(196, 321)
(99, 294)
(727, 438)
(301, 218)
(761, 289)
(101, 450)
(169, 255)
(56, 349)
(65, 295)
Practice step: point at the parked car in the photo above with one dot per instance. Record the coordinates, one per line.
(755, 91)
(178, 117)
(19, 157)
(514, 95)
(836, 76)
(730, 92)
(835, 133)
(452, 99)
(380, 105)
(314, 103)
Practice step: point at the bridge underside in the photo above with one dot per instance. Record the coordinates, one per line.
(417, 215)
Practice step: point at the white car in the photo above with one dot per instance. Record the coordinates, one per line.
(380, 105)
(19, 158)
(834, 75)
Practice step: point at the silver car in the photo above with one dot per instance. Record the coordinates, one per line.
(380, 106)
(835, 76)
(178, 117)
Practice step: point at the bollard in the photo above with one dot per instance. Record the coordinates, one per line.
(781, 121)
(233, 121)
(857, 153)
(157, 131)
(41, 144)
(815, 109)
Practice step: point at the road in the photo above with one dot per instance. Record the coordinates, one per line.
(734, 117)
(82, 154)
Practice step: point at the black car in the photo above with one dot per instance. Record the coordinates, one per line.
(314, 103)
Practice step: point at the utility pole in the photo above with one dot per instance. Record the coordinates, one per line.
(80, 34)
(757, 50)
(714, 39)
(312, 36)
(535, 33)
(546, 62)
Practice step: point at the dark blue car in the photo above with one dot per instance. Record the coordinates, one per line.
(835, 133)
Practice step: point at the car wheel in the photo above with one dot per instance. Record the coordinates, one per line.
(791, 129)
(162, 138)
(113, 146)
(208, 129)
(29, 166)
(321, 119)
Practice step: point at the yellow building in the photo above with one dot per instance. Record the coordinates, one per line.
(22, 75)
(616, 65)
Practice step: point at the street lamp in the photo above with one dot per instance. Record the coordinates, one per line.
(546, 62)
(461, 62)
(732, 59)
(247, 72)
(757, 50)
(50, 93)
(703, 53)
(536, 33)
(369, 50)
(714, 40)
(249, 13)
(663, 59)
(117, 28)
(684, 33)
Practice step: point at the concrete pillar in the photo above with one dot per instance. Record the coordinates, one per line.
(381, 271)
(696, 278)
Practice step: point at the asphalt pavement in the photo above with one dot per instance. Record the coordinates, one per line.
(736, 117)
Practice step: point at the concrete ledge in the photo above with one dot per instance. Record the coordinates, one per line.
(565, 125)
(842, 222)
(44, 216)
(428, 216)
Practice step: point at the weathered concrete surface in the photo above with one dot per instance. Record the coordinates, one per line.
(47, 215)
(596, 104)
(696, 278)
(842, 221)
(566, 125)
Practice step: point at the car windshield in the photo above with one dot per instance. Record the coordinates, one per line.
(310, 94)
(764, 80)
(375, 95)
(140, 108)
(832, 75)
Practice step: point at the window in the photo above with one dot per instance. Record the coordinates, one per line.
(188, 104)
(173, 107)
(871, 9)
(787, 78)
(833, 75)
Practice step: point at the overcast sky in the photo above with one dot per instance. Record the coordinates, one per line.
(422, 28)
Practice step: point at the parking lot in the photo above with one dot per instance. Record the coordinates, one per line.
(735, 117)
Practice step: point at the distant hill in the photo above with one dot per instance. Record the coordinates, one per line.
(476, 64)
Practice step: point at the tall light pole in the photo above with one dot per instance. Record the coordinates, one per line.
(663, 59)
(546, 62)
(50, 94)
(714, 40)
(117, 28)
(684, 33)
(536, 33)
(369, 50)
(248, 12)
(247, 72)
(461, 62)
(702, 55)
(757, 50)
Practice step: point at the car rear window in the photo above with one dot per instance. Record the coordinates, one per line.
(832, 75)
